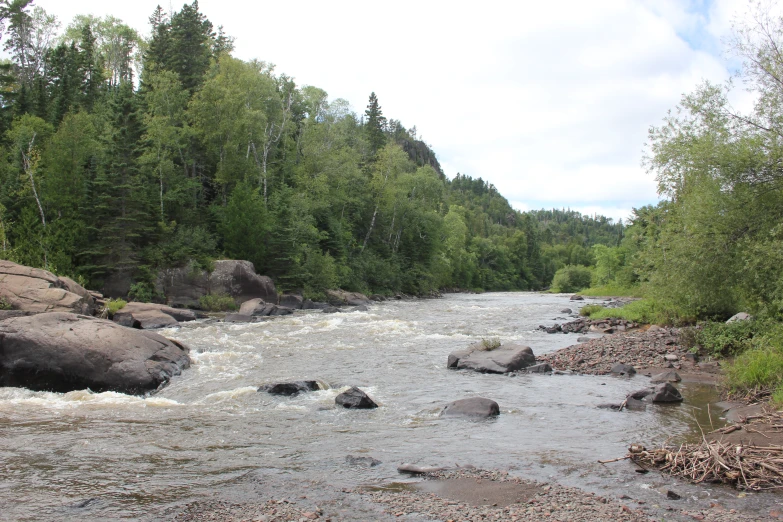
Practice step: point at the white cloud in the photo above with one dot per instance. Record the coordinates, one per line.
(551, 102)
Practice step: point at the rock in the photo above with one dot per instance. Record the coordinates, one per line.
(609, 406)
(710, 366)
(635, 404)
(418, 470)
(238, 279)
(355, 398)
(671, 357)
(665, 393)
(539, 368)
(377, 298)
(473, 407)
(341, 297)
(654, 329)
(566, 311)
(35, 290)
(665, 377)
(365, 462)
(294, 302)
(692, 357)
(582, 339)
(742, 316)
(239, 318)
(361, 308)
(62, 352)
(553, 329)
(331, 310)
(577, 298)
(259, 308)
(671, 495)
(506, 358)
(641, 394)
(151, 315)
(623, 369)
(290, 388)
(312, 305)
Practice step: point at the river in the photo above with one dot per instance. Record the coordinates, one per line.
(108, 455)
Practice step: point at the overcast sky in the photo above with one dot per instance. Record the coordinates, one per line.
(549, 101)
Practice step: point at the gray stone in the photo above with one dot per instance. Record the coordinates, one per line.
(290, 388)
(239, 318)
(742, 316)
(623, 369)
(331, 310)
(671, 376)
(671, 357)
(291, 301)
(473, 407)
(582, 339)
(151, 315)
(577, 298)
(259, 308)
(62, 352)
(641, 394)
(539, 368)
(506, 358)
(313, 305)
(566, 311)
(342, 298)
(665, 392)
(364, 462)
(354, 398)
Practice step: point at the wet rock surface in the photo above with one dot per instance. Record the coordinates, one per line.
(64, 352)
(476, 407)
(503, 359)
(290, 388)
(147, 316)
(354, 398)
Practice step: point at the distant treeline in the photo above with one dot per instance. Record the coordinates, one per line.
(121, 155)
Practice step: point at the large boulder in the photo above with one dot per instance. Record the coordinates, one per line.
(504, 359)
(183, 287)
(147, 316)
(341, 297)
(63, 352)
(35, 290)
(742, 316)
(354, 398)
(473, 407)
(291, 301)
(665, 393)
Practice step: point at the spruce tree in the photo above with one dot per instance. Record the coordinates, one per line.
(374, 125)
(191, 46)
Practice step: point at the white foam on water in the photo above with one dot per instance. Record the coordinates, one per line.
(16, 397)
(228, 395)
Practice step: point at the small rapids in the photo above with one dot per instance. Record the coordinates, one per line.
(108, 455)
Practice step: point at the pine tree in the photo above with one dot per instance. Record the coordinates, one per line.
(191, 46)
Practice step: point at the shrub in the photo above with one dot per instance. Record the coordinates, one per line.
(489, 344)
(142, 292)
(724, 339)
(115, 305)
(4, 304)
(756, 369)
(217, 303)
(646, 311)
(571, 278)
(587, 310)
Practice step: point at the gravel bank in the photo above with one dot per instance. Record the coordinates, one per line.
(637, 348)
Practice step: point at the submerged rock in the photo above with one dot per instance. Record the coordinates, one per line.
(62, 352)
(504, 359)
(365, 462)
(354, 398)
(539, 368)
(290, 388)
(473, 407)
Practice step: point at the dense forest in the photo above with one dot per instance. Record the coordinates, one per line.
(122, 154)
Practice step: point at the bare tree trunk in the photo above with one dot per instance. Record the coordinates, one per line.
(29, 167)
(372, 225)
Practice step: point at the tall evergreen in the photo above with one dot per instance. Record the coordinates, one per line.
(374, 125)
(191, 46)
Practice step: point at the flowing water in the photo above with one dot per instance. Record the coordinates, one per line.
(110, 455)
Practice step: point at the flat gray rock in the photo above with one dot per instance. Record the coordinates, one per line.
(670, 376)
(507, 358)
(478, 407)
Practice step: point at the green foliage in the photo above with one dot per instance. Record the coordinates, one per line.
(4, 304)
(115, 305)
(644, 311)
(143, 292)
(728, 339)
(760, 366)
(217, 303)
(571, 278)
(590, 309)
(613, 290)
(489, 344)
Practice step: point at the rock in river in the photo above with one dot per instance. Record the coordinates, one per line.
(623, 369)
(150, 315)
(506, 358)
(665, 393)
(473, 407)
(63, 352)
(355, 398)
(36, 290)
(290, 388)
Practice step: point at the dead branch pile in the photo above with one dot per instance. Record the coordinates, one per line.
(747, 467)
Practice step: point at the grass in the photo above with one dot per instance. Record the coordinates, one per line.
(489, 344)
(586, 310)
(217, 303)
(613, 291)
(760, 366)
(645, 311)
(115, 305)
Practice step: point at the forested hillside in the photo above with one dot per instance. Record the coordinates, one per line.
(121, 155)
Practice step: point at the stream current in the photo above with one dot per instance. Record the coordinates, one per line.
(108, 455)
